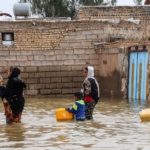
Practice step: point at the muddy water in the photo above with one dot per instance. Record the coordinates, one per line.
(116, 125)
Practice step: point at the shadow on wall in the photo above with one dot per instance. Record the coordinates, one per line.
(110, 86)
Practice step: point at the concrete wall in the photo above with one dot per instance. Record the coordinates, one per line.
(113, 76)
(113, 71)
(109, 75)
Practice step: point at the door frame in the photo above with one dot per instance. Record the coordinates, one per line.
(136, 49)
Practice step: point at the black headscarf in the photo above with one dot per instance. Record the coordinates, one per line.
(15, 73)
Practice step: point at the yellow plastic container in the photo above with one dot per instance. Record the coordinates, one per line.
(62, 114)
(145, 115)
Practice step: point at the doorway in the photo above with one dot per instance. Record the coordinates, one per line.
(138, 77)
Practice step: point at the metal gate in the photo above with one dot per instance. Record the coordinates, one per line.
(138, 77)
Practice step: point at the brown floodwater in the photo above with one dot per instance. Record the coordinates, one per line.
(116, 125)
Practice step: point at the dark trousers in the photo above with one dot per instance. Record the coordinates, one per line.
(89, 106)
(80, 120)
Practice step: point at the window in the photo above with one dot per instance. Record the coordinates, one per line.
(7, 39)
(114, 39)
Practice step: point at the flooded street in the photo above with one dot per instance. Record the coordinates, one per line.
(116, 125)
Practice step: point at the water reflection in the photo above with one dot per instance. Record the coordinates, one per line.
(116, 124)
(15, 133)
(136, 104)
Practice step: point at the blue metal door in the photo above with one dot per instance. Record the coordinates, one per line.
(138, 79)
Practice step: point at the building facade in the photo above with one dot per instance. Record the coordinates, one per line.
(53, 54)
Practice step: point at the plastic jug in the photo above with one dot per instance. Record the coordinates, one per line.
(62, 114)
(145, 115)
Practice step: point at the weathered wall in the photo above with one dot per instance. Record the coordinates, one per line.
(112, 71)
(52, 55)
(44, 19)
(113, 67)
(112, 12)
(109, 75)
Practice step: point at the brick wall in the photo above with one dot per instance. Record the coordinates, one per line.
(52, 55)
(112, 12)
(44, 19)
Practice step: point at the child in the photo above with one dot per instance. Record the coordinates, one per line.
(78, 108)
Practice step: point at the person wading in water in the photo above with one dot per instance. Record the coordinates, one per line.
(91, 91)
(13, 96)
